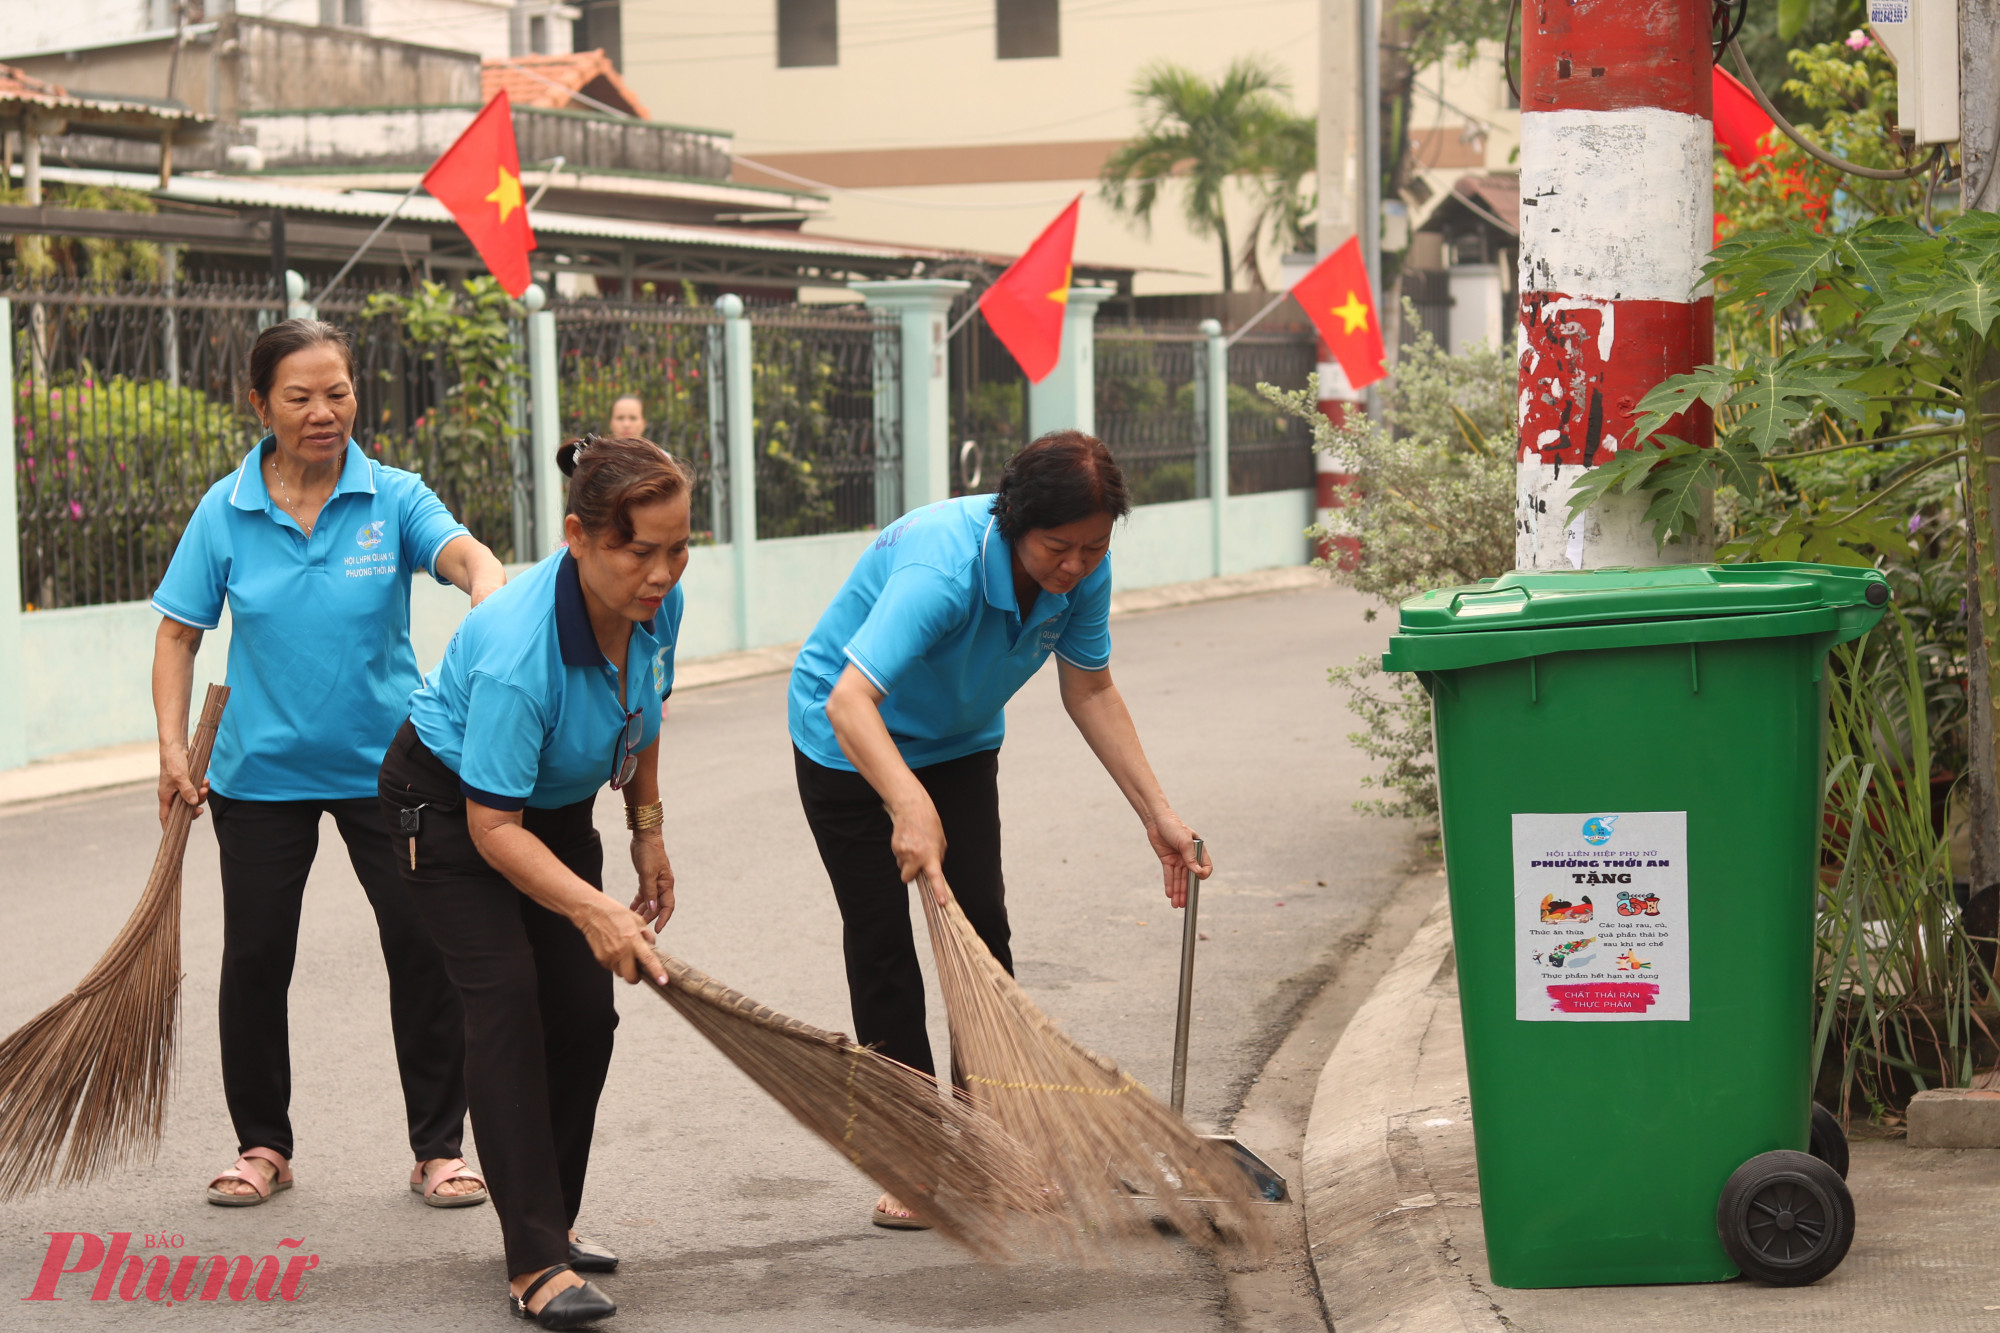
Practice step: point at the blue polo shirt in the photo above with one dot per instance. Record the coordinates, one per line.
(524, 706)
(320, 663)
(929, 616)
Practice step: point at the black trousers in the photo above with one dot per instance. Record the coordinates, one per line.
(884, 982)
(538, 1008)
(267, 850)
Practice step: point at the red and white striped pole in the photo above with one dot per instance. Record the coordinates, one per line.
(1332, 480)
(1617, 184)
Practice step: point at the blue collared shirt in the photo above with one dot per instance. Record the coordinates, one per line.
(320, 663)
(524, 706)
(929, 617)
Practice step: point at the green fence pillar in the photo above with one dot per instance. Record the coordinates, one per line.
(739, 428)
(1066, 399)
(1215, 409)
(544, 425)
(13, 726)
(921, 306)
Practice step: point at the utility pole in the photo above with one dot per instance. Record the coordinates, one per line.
(1348, 37)
(1617, 190)
(1978, 155)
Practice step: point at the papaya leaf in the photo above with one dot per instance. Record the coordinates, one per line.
(1680, 484)
(1776, 395)
(1736, 465)
(1711, 384)
(1971, 292)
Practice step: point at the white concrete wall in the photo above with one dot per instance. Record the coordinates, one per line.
(86, 671)
(927, 77)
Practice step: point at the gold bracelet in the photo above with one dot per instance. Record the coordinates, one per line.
(639, 818)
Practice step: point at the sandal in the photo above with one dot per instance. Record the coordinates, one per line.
(263, 1189)
(569, 1308)
(903, 1221)
(447, 1169)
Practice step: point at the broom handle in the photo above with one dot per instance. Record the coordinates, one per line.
(1187, 982)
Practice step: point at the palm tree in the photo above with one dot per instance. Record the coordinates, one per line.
(1203, 133)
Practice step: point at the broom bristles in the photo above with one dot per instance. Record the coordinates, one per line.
(1096, 1132)
(83, 1084)
(947, 1161)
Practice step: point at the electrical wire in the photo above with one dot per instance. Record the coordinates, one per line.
(1813, 150)
(1720, 14)
(1507, 51)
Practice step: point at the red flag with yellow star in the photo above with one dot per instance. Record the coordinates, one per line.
(1337, 298)
(1024, 306)
(479, 180)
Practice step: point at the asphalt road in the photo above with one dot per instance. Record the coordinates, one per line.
(729, 1216)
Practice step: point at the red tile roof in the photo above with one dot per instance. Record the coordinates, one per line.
(13, 83)
(555, 81)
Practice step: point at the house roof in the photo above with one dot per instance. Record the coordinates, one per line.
(90, 113)
(558, 81)
(1496, 198)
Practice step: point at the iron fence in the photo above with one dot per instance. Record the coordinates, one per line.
(412, 413)
(129, 403)
(826, 419)
(1148, 408)
(669, 356)
(1269, 449)
(989, 404)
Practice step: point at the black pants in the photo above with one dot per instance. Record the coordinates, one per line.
(538, 1008)
(884, 982)
(267, 850)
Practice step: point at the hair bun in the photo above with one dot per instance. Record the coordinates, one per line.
(566, 457)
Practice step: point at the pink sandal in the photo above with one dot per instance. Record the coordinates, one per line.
(449, 1169)
(281, 1179)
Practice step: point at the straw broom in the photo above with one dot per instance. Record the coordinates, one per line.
(949, 1163)
(1097, 1134)
(83, 1086)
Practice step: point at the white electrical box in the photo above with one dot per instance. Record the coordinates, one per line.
(1921, 36)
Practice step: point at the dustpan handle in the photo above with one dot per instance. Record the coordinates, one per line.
(1186, 1017)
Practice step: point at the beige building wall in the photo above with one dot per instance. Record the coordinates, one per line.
(929, 138)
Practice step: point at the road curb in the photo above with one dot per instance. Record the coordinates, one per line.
(1379, 1245)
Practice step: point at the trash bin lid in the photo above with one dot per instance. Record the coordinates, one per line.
(1528, 612)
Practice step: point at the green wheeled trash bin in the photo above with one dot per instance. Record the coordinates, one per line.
(1629, 769)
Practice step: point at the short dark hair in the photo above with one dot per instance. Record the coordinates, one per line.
(285, 337)
(1061, 478)
(609, 476)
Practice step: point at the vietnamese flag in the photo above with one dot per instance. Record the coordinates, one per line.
(1748, 138)
(479, 180)
(1337, 298)
(1024, 306)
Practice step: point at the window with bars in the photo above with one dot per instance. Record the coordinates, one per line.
(808, 33)
(1027, 29)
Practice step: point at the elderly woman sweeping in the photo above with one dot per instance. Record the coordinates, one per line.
(311, 545)
(897, 715)
(548, 692)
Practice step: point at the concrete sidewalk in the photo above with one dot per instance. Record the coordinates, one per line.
(128, 765)
(1393, 1222)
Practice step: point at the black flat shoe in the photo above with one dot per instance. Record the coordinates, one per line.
(587, 1256)
(571, 1308)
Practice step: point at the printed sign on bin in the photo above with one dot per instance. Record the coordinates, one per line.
(1600, 917)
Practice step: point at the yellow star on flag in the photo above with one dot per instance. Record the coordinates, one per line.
(507, 194)
(1354, 315)
(1061, 294)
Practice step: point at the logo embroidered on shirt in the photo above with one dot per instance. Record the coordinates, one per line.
(370, 536)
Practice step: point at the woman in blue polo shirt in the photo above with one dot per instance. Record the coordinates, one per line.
(311, 544)
(897, 714)
(548, 691)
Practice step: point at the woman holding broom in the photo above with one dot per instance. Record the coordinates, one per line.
(549, 690)
(897, 714)
(312, 545)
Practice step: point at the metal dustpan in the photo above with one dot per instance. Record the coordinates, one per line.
(1270, 1185)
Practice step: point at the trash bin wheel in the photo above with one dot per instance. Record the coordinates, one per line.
(1829, 1140)
(1786, 1218)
